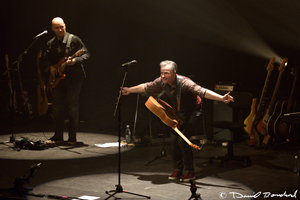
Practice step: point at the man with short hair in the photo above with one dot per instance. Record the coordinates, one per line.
(180, 89)
(66, 92)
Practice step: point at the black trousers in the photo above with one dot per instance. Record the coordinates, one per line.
(66, 99)
(181, 152)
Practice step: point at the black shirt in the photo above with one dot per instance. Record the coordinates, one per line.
(56, 50)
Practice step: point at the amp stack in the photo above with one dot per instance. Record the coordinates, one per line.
(221, 111)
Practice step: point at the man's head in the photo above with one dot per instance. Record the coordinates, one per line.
(58, 27)
(168, 71)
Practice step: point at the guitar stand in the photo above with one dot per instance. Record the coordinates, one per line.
(193, 189)
(119, 188)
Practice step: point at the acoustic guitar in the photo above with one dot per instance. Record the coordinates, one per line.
(60, 69)
(268, 124)
(44, 106)
(167, 115)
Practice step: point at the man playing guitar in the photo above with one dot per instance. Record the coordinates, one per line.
(67, 72)
(183, 90)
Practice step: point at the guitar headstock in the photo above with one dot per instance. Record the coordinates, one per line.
(294, 71)
(79, 52)
(39, 54)
(270, 66)
(195, 147)
(6, 61)
(283, 65)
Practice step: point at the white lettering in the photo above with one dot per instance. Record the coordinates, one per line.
(237, 195)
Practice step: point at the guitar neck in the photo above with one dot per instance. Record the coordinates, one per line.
(38, 65)
(63, 66)
(273, 100)
(291, 95)
(263, 95)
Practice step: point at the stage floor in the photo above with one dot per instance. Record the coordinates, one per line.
(84, 169)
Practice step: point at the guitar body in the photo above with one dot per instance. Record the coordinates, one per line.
(167, 115)
(264, 135)
(281, 129)
(164, 111)
(249, 129)
(24, 105)
(279, 106)
(271, 123)
(54, 80)
(60, 69)
(260, 125)
(43, 102)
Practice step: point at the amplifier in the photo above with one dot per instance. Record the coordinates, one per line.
(221, 111)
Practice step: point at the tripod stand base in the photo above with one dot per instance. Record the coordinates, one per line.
(119, 189)
(162, 154)
(193, 189)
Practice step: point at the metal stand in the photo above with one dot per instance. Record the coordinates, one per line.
(163, 152)
(135, 118)
(193, 189)
(119, 188)
(11, 68)
(19, 191)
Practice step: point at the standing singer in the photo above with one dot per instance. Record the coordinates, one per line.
(183, 90)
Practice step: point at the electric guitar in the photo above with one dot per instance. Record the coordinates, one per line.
(282, 129)
(60, 68)
(261, 108)
(12, 93)
(249, 128)
(24, 107)
(167, 115)
(268, 124)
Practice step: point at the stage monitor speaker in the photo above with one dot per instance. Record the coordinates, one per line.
(222, 112)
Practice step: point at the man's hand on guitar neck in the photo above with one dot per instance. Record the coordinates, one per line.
(71, 61)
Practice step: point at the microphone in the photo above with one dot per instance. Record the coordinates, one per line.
(35, 166)
(39, 35)
(129, 63)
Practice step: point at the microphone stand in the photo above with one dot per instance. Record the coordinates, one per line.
(11, 68)
(119, 188)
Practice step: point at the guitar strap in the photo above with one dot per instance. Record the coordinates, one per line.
(68, 49)
(177, 92)
(68, 44)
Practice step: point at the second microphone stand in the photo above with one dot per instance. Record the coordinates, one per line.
(12, 69)
(119, 188)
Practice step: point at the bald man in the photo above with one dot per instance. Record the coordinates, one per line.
(66, 93)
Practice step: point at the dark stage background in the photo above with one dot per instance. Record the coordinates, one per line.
(211, 41)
